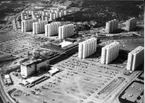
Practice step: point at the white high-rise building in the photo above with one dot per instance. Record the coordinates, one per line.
(131, 24)
(45, 15)
(26, 25)
(54, 15)
(25, 15)
(87, 48)
(111, 26)
(39, 27)
(60, 13)
(66, 31)
(135, 58)
(57, 13)
(50, 16)
(65, 12)
(52, 28)
(110, 53)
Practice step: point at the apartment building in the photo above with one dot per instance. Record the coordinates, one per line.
(27, 25)
(87, 48)
(39, 27)
(131, 24)
(109, 53)
(52, 28)
(111, 26)
(66, 31)
(135, 58)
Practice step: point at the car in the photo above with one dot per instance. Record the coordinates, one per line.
(21, 84)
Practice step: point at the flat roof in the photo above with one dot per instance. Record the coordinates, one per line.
(137, 50)
(30, 62)
(65, 43)
(111, 45)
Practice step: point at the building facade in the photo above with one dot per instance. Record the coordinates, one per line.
(111, 26)
(31, 66)
(27, 69)
(109, 53)
(25, 15)
(87, 48)
(66, 31)
(52, 28)
(135, 58)
(131, 24)
(45, 15)
(39, 27)
(27, 25)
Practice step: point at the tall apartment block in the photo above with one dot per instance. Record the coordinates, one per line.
(66, 31)
(87, 48)
(130, 24)
(135, 58)
(26, 25)
(25, 15)
(110, 53)
(48, 14)
(52, 28)
(45, 15)
(39, 27)
(111, 26)
(56, 14)
(60, 13)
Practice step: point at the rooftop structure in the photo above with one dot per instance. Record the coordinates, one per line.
(65, 43)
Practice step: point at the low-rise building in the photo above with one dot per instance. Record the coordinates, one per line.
(31, 66)
(8, 79)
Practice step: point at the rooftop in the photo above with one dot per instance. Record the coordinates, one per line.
(65, 43)
(112, 45)
(30, 61)
(137, 50)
